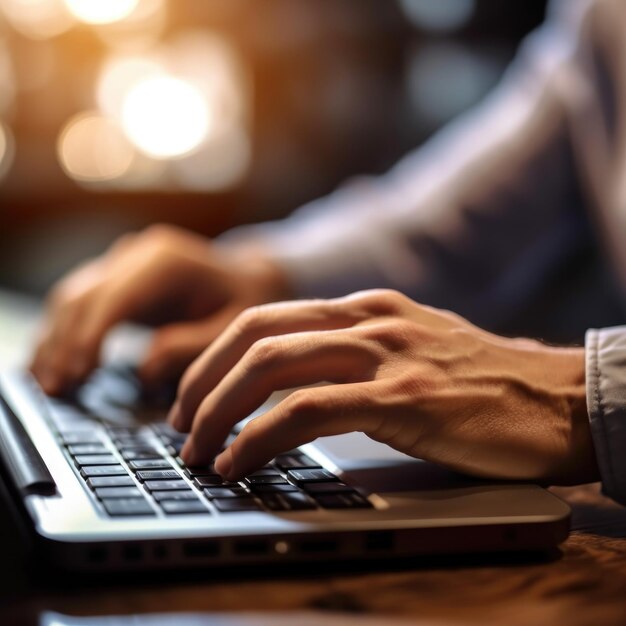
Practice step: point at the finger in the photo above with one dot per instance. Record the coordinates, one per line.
(302, 417)
(272, 364)
(252, 325)
(175, 346)
(59, 361)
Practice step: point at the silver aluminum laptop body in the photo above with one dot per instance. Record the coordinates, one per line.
(412, 507)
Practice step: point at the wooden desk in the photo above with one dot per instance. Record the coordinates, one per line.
(584, 585)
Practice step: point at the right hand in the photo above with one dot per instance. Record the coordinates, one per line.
(163, 276)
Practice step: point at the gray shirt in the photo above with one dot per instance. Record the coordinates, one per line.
(481, 216)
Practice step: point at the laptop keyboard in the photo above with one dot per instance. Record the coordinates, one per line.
(134, 471)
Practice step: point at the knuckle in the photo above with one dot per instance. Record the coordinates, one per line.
(393, 336)
(161, 238)
(408, 386)
(264, 354)
(159, 231)
(249, 319)
(384, 301)
(301, 403)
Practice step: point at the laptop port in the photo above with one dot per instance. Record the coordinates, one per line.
(132, 552)
(159, 551)
(318, 546)
(251, 548)
(379, 542)
(201, 549)
(98, 554)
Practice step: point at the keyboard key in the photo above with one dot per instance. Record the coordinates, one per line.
(105, 493)
(180, 507)
(266, 470)
(128, 507)
(311, 475)
(187, 494)
(85, 438)
(103, 470)
(288, 501)
(295, 461)
(87, 448)
(192, 472)
(123, 431)
(135, 454)
(225, 492)
(95, 459)
(111, 481)
(273, 488)
(269, 479)
(132, 442)
(165, 485)
(232, 505)
(343, 501)
(145, 464)
(330, 487)
(208, 481)
(166, 474)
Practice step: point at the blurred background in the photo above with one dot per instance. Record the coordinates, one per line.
(115, 114)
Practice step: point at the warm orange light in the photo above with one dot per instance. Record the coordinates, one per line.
(165, 117)
(101, 11)
(92, 148)
(38, 19)
(118, 76)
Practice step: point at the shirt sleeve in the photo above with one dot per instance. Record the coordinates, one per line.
(606, 404)
(472, 221)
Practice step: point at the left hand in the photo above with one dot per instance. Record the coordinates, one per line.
(424, 381)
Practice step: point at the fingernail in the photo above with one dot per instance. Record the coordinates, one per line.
(224, 463)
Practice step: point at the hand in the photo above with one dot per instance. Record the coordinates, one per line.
(162, 276)
(426, 382)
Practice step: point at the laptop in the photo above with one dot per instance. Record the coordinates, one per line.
(101, 487)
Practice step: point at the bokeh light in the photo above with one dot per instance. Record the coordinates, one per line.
(210, 62)
(166, 117)
(118, 76)
(92, 148)
(101, 11)
(6, 150)
(439, 15)
(38, 19)
(139, 31)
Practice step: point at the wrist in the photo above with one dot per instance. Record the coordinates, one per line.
(582, 465)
